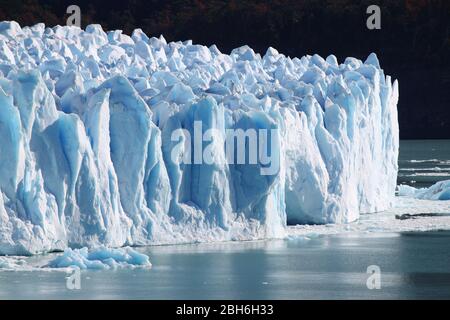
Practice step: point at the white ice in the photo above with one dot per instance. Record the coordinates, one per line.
(387, 222)
(101, 258)
(438, 191)
(86, 119)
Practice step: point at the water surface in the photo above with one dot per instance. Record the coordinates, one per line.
(424, 162)
(413, 266)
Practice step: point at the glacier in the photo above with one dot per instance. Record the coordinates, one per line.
(87, 156)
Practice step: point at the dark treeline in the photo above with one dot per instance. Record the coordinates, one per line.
(413, 44)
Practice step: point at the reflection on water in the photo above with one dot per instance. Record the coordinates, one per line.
(413, 265)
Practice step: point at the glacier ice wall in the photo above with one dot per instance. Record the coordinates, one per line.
(87, 155)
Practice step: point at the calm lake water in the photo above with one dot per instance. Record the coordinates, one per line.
(413, 265)
(424, 162)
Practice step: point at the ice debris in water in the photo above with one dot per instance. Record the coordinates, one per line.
(88, 158)
(101, 258)
(438, 191)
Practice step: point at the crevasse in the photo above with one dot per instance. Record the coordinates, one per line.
(87, 155)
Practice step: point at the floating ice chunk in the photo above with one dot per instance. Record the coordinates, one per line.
(13, 263)
(405, 190)
(438, 191)
(101, 259)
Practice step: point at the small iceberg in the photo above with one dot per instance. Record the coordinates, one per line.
(438, 191)
(101, 258)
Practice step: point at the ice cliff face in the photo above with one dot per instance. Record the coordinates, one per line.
(95, 131)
